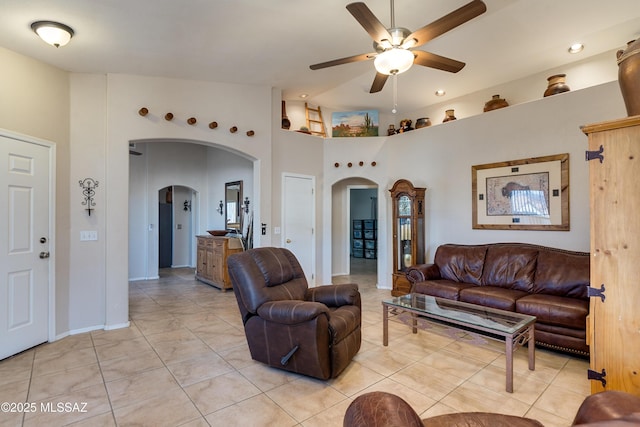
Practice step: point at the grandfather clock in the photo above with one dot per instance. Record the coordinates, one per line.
(408, 232)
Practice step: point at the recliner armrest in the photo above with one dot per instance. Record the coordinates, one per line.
(291, 312)
(421, 272)
(335, 295)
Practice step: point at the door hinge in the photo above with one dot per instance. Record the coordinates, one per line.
(595, 292)
(599, 376)
(592, 155)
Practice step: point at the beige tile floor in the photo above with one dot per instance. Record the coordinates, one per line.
(184, 362)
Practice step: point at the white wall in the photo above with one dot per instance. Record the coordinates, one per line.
(440, 158)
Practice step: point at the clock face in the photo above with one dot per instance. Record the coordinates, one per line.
(404, 206)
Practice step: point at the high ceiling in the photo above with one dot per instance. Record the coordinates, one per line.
(273, 42)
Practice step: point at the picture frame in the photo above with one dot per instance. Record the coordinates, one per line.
(525, 194)
(355, 124)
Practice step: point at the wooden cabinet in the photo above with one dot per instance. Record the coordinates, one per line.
(614, 320)
(408, 232)
(211, 266)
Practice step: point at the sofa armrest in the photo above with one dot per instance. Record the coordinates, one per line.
(379, 408)
(291, 312)
(607, 406)
(421, 272)
(335, 295)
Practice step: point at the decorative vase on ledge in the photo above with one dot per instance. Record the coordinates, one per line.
(423, 122)
(448, 116)
(629, 76)
(556, 85)
(494, 103)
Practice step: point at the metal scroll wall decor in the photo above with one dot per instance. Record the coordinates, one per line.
(88, 186)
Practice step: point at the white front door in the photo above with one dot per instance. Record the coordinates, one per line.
(24, 244)
(298, 221)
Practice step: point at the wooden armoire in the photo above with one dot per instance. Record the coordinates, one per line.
(613, 329)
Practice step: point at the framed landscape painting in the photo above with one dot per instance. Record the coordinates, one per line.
(355, 124)
(526, 194)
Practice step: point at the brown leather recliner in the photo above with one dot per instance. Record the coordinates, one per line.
(311, 331)
(378, 409)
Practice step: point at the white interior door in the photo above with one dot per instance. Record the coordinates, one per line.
(24, 241)
(298, 221)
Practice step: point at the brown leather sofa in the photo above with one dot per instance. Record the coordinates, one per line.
(311, 331)
(380, 409)
(540, 281)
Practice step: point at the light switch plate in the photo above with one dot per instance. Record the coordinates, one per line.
(88, 235)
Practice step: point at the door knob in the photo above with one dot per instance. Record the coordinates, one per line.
(288, 240)
(44, 255)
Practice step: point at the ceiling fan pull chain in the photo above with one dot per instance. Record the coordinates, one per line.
(395, 94)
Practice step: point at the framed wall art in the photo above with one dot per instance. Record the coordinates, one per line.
(526, 194)
(355, 124)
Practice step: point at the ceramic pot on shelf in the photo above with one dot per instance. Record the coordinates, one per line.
(557, 84)
(448, 116)
(495, 103)
(423, 122)
(629, 76)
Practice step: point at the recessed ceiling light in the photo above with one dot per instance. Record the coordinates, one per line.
(304, 95)
(576, 48)
(440, 92)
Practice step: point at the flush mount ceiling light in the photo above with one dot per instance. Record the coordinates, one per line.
(393, 61)
(440, 92)
(576, 48)
(53, 33)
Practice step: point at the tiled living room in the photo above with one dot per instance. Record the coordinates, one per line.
(185, 362)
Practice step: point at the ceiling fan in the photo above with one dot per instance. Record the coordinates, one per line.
(394, 46)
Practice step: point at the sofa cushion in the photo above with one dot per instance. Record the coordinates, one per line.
(492, 296)
(441, 288)
(555, 310)
(461, 263)
(510, 266)
(563, 274)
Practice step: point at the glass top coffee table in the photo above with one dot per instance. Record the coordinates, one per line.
(516, 329)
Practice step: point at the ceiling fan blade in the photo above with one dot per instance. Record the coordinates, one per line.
(432, 60)
(369, 22)
(444, 24)
(348, 59)
(378, 82)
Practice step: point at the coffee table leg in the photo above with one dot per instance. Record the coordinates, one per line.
(509, 354)
(385, 325)
(532, 348)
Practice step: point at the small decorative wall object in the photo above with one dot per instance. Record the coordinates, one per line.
(168, 117)
(355, 124)
(187, 205)
(336, 164)
(556, 85)
(391, 130)
(349, 164)
(495, 103)
(88, 186)
(220, 208)
(250, 133)
(405, 126)
(448, 116)
(233, 129)
(361, 163)
(143, 111)
(192, 121)
(423, 122)
(246, 205)
(213, 125)
(373, 164)
(629, 76)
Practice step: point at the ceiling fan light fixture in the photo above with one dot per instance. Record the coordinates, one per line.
(53, 33)
(393, 61)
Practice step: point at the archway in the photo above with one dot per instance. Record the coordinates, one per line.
(198, 172)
